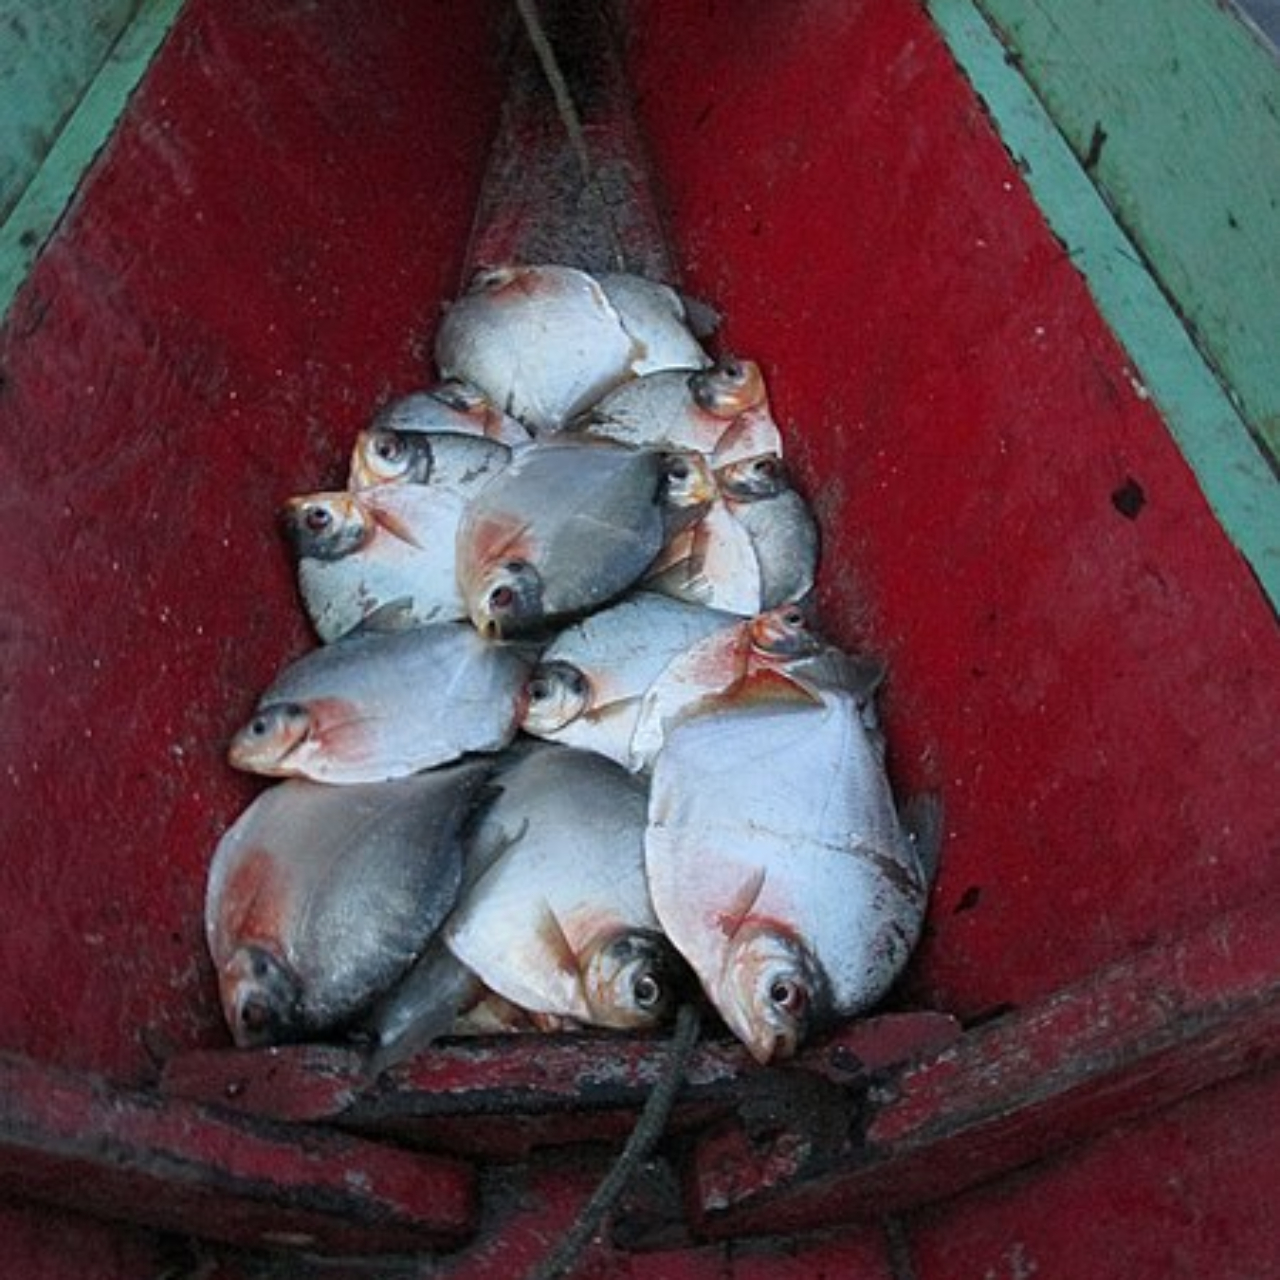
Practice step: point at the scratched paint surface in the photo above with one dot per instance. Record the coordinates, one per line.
(1079, 661)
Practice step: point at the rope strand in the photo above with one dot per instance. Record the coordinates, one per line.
(649, 1127)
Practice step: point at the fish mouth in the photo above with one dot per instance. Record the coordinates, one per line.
(763, 1042)
(260, 747)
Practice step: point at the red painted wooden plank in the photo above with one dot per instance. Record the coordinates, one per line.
(504, 1095)
(1177, 1018)
(536, 204)
(74, 1140)
(1185, 1194)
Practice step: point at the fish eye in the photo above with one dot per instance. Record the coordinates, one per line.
(788, 995)
(647, 991)
(678, 468)
(318, 519)
(388, 447)
(259, 727)
(793, 618)
(501, 598)
(539, 688)
(767, 467)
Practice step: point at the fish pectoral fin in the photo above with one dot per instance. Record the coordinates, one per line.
(552, 934)
(565, 977)
(735, 915)
(766, 687)
(396, 527)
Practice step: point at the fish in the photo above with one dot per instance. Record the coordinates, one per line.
(777, 861)
(448, 461)
(657, 318)
(587, 688)
(565, 528)
(721, 412)
(779, 646)
(554, 913)
(711, 561)
(779, 525)
(318, 899)
(713, 666)
(358, 552)
(454, 406)
(546, 342)
(383, 703)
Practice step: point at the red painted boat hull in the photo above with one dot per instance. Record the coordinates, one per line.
(1080, 661)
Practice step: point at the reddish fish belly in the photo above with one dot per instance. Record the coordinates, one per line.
(339, 733)
(254, 907)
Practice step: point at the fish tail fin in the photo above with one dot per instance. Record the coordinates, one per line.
(421, 1009)
(922, 818)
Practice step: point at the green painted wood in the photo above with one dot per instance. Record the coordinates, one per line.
(1175, 108)
(49, 55)
(67, 69)
(1233, 471)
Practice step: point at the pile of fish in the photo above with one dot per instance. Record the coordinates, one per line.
(570, 751)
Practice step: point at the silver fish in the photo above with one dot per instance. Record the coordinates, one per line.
(777, 645)
(587, 688)
(319, 898)
(554, 913)
(377, 705)
(712, 561)
(566, 527)
(656, 318)
(721, 412)
(542, 342)
(358, 552)
(777, 861)
(779, 524)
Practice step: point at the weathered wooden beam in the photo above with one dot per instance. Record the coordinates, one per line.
(536, 204)
(1177, 1018)
(506, 1095)
(79, 1142)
